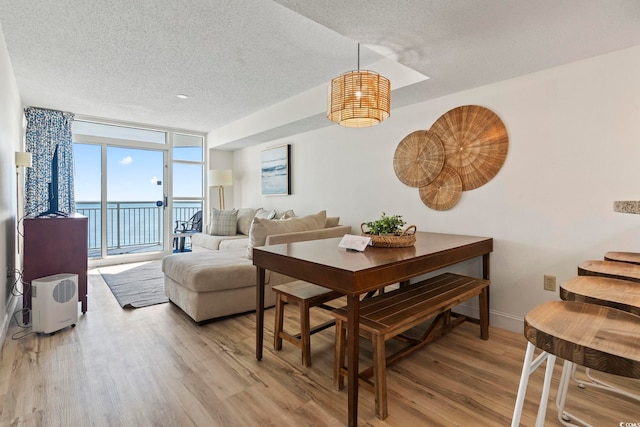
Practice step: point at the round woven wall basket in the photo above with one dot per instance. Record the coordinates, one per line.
(444, 192)
(475, 143)
(419, 158)
(403, 240)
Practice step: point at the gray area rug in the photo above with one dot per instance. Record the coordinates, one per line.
(139, 286)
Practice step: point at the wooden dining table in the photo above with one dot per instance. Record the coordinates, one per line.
(324, 263)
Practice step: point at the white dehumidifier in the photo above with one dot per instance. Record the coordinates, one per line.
(54, 302)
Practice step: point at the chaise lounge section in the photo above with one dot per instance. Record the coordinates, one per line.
(216, 283)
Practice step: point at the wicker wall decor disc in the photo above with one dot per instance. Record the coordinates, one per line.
(475, 143)
(444, 192)
(418, 158)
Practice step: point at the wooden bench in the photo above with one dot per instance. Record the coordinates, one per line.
(304, 295)
(393, 313)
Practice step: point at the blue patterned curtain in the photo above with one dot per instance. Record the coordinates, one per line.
(47, 129)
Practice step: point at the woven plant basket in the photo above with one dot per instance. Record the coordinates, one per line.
(403, 240)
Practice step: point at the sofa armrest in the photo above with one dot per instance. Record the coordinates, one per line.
(299, 236)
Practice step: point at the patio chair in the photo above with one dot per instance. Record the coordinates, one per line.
(190, 226)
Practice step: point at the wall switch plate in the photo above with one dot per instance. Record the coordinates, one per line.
(549, 283)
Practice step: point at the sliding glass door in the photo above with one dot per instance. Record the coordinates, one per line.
(135, 200)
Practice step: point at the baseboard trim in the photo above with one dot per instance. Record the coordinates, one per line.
(498, 319)
(6, 321)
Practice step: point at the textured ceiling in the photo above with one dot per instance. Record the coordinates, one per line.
(246, 62)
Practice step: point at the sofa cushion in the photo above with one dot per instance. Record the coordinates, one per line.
(261, 228)
(245, 216)
(224, 222)
(212, 243)
(234, 243)
(210, 271)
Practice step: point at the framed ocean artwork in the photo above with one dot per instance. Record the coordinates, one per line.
(274, 163)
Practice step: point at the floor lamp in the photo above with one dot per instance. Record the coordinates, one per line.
(220, 178)
(23, 160)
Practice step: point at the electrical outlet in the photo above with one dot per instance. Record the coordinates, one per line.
(549, 283)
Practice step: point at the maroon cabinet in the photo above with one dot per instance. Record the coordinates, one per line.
(54, 245)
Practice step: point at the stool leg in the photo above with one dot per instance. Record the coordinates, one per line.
(305, 333)
(522, 389)
(594, 382)
(277, 339)
(564, 417)
(338, 359)
(380, 376)
(544, 399)
(528, 367)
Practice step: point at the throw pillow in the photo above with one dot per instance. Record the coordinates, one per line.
(261, 228)
(224, 222)
(265, 214)
(333, 221)
(245, 216)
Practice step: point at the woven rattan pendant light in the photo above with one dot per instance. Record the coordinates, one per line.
(359, 98)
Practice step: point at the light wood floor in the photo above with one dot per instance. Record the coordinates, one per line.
(154, 367)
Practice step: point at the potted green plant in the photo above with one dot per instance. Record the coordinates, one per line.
(387, 231)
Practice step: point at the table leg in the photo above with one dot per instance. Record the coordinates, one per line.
(486, 267)
(259, 312)
(353, 353)
(486, 273)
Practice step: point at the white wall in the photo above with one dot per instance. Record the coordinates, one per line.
(574, 148)
(11, 140)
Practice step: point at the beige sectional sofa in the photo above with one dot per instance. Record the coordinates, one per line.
(238, 237)
(209, 283)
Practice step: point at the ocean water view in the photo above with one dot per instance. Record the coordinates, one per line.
(131, 224)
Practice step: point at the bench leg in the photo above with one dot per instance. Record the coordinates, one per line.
(305, 333)
(277, 338)
(338, 359)
(483, 302)
(380, 376)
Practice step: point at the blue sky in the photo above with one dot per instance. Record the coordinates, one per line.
(132, 174)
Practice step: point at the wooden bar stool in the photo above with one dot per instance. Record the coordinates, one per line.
(612, 269)
(305, 295)
(630, 257)
(615, 293)
(593, 336)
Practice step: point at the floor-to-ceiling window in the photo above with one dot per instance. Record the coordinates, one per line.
(187, 173)
(135, 184)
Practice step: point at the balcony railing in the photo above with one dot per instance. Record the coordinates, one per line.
(131, 225)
